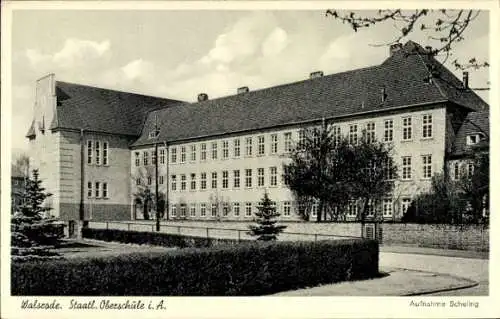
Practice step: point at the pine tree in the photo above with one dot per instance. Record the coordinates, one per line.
(266, 220)
(34, 197)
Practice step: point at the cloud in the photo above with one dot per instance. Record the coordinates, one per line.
(77, 51)
(275, 42)
(138, 69)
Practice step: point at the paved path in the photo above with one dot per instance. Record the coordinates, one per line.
(470, 268)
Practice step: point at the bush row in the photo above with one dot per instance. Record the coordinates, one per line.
(151, 238)
(253, 269)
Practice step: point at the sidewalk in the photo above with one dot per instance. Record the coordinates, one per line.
(434, 251)
(395, 282)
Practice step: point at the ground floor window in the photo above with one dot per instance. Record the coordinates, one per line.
(387, 208)
(248, 209)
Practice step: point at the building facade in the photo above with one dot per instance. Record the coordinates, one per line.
(216, 158)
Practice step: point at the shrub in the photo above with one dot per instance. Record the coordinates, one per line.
(257, 268)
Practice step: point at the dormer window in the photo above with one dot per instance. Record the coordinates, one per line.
(473, 139)
(154, 133)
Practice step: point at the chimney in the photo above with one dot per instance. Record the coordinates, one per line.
(395, 48)
(202, 97)
(243, 89)
(465, 79)
(314, 75)
(428, 49)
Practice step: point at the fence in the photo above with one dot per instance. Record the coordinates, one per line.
(210, 232)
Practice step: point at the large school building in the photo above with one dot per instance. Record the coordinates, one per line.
(216, 157)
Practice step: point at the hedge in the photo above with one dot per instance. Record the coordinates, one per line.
(156, 239)
(253, 269)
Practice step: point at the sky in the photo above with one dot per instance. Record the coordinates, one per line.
(178, 54)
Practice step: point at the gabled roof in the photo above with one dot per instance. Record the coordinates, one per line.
(475, 123)
(403, 76)
(103, 110)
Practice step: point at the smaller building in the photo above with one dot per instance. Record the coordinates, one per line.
(17, 191)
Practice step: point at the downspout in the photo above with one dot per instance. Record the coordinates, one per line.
(167, 207)
(82, 175)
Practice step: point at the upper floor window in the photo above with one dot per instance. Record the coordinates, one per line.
(236, 147)
(97, 189)
(472, 139)
(387, 208)
(370, 132)
(388, 130)
(183, 154)
(248, 177)
(104, 190)
(162, 156)
(214, 150)
(261, 145)
(89, 189)
(274, 143)
(225, 179)
(153, 157)
(183, 182)
(260, 177)
(427, 166)
(137, 159)
(387, 169)
(105, 152)
(288, 142)
(203, 152)
(353, 134)
(173, 182)
(225, 149)
(406, 128)
(90, 151)
(145, 158)
(173, 155)
(427, 126)
(193, 181)
(236, 209)
(273, 173)
(236, 178)
(214, 179)
(406, 167)
(193, 152)
(203, 181)
(248, 146)
(98, 152)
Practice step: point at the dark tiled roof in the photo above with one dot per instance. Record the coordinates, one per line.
(475, 123)
(402, 75)
(103, 110)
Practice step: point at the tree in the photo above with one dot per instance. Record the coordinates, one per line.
(20, 166)
(34, 198)
(266, 219)
(444, 28)
(144, 195)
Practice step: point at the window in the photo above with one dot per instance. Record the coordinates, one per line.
(236, 209)
(387, 208)
(302, 138)
(352, 209)
(427, 166)
(193, 181)
(160, 179)
(314, 210)
(427, 126)
(225, 179)
(173, 155)
(388, 171)
(236, 147)
(150, 180)
(97, 189)
(260, 177)
(183, 210)
(261, 145)
(337, 135)
(286, 209)
(406, 167)
(203, 210)
(193, 153)
(174, 211)
(472, 139)
(353, 134)
(225, 149)
(456, 171)
(214, 210)
(105, 153)
(406, 128)
(203, 153)
(225, 209)
(388, 130)
(105, 190)
(274, 143)
(370, 132)
(183, 154)
(97, 152)
(470, 170)
(174, 182)
(89, 152)
(248, 209)
(288, 142)
(162, 156)
(89, 189)
(236, 178)
(137, 159)
(273, 173)
(248, 177)
(203, 180)
(145, 158)
(248, 146)
(371, 209)
(285, 175)
(316, 133)
(183, 182)
(214, 179)
(214, 150)
(405, 204)
(192, 210)
(153, 157)
(137, 181)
